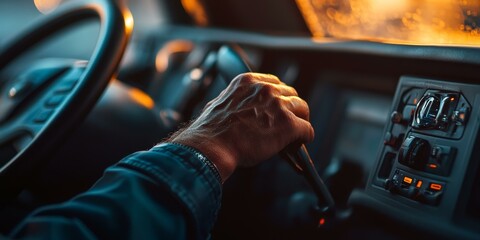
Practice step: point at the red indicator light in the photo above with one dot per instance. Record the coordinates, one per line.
(322, 221)
(419, 184)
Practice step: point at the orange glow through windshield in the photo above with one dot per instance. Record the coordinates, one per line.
(426, 22)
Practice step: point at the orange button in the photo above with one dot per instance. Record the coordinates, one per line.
(432, 166)
(419, 183)
(408, 180)
(436, 186)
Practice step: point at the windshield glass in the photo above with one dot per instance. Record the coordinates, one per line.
(430, 22)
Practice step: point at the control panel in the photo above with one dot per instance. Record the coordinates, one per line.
(425, 167)
(427, 116)
(422, 140)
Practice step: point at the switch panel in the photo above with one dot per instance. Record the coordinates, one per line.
(415, 187)
(427, 164)
(426, 140)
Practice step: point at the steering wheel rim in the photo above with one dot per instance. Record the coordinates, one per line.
(116, 25)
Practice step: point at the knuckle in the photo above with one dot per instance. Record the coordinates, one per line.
(266, 89)
(293, 90)
(307, 113)
(306, 132)
(272, 78)
(305, 106)
(245, 78)
(278, 103)
(302, 105)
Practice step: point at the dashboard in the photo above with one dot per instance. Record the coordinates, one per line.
(396, 135)
(396, 130)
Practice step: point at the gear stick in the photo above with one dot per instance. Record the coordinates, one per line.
(229, 65)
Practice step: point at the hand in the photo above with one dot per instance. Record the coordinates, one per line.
(254, 118)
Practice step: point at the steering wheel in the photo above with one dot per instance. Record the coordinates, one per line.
(39, 108)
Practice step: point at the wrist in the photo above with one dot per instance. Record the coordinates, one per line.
(219, 155)
(200, 156)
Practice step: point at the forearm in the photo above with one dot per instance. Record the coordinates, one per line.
(163, 193)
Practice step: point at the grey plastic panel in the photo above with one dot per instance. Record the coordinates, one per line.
(441, 217)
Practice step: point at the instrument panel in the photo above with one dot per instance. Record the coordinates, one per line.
(425, 167)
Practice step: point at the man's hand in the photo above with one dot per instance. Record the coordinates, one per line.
(254, 118)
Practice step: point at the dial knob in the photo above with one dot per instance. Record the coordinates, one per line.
(414, 152)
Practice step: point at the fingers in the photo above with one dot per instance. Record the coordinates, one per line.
(267, 81)
(297, 106)
(302, 128)
(285, 90)
(304, 131)
(269, 78)
(252, 77)
(288, 98)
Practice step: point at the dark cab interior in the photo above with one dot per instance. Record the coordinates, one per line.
(393, 91)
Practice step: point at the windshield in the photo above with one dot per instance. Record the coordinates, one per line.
(430, 22)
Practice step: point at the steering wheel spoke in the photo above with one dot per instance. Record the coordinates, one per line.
(35, 117)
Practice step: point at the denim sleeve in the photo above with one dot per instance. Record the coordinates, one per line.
(164, 193)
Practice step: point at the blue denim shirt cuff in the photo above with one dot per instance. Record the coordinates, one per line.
(188, 178)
